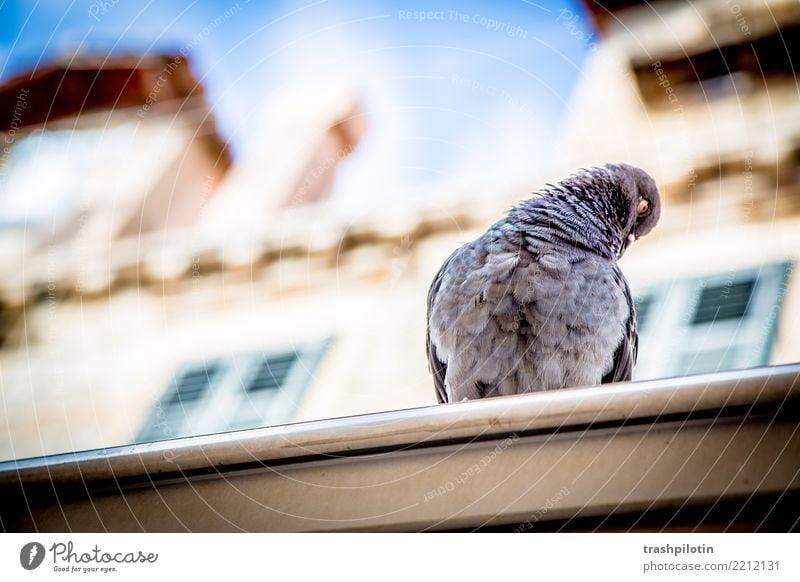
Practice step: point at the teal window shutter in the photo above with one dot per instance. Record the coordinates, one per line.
(237, 392)
(274, 386)
(175, 414)
(721, 322)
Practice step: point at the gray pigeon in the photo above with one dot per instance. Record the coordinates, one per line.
(538, 301)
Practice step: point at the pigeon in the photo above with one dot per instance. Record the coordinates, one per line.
(538, 302)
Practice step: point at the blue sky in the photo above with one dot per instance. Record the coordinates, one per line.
(473, 89)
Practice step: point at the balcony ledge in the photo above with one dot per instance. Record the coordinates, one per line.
(689, 440)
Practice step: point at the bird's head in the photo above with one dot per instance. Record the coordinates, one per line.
(640, 201)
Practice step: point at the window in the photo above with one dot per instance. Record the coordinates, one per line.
(232, 393)
(722, 322)
(643, 305)
(725, 70)
(721, 302)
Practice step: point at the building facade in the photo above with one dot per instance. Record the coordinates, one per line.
(704, 96)
(261, 305)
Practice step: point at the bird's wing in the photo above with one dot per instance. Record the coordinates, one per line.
(628, 349)
(437, 367)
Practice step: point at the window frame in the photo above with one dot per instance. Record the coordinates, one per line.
(220, 408)
(670, 337)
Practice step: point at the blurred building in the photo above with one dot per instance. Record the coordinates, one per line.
(703, 95)
(176, 291)
(181, 292)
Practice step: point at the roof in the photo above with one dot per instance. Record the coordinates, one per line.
(84, 84)
(170, 256)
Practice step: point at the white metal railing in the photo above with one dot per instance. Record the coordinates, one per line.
(426, 426)
(681, 440)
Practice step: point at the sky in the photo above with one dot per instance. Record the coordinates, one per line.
(465, 94)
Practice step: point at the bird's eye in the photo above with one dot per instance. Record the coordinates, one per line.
(643, 207)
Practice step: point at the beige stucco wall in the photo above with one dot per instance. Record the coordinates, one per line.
(83, 373)
(89, 370)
